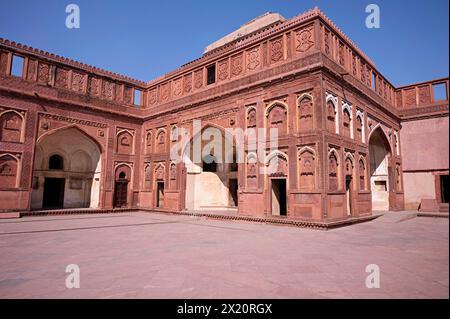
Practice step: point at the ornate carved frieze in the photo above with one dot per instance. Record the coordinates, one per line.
(71, 120)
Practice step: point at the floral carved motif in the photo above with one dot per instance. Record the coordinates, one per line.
(236, 65)
(304, 40)
(188, 83)
(198, 79)
(152, 96)
(78, 82)
(253, 58)
(222, 70)
(108, 90)
(165, 92)
(61, 78)
(94, 86)
(276, 50)
(177, 87)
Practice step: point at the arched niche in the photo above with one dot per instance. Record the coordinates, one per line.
(305, 112)
(11, 126)
(307, 168)
(276, 115)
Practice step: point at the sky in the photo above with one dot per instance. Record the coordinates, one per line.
(146, 39)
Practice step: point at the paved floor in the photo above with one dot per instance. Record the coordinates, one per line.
(144, 255)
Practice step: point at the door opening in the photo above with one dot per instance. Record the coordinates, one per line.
(53, 193)
(233, 189)
(444, 189)
(160, 194)
(279, 198)
(348, 194)
(121, 191)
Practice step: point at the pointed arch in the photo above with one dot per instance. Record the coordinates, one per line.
(72, 126)
(81, 153)
(251, 115)
(379, 128)
(275, 103)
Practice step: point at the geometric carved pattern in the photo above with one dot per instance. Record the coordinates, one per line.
(43, 73)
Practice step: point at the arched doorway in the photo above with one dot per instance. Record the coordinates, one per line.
(66, 171)
(122, 175)
(379, 152)
(211, 171)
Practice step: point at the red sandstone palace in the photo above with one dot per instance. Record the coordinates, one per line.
(350, 142)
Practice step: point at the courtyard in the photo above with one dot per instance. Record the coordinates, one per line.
(149, 255)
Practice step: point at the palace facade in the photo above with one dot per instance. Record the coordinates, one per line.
(349, 141)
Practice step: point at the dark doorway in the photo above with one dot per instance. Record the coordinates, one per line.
(348, 194)
(160, 194)
(444, 189)
(53, 193)
(233, 189)
(279, 198)
(121, 191)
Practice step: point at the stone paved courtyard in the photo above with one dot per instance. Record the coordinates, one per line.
(145, 255)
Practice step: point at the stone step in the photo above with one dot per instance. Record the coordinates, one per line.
(395, 217)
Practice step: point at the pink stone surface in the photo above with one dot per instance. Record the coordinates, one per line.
(147, 255)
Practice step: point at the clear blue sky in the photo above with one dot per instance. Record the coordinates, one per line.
(145, 39)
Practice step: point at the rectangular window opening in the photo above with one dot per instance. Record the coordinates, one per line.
(374, 82)
(17, 66)
(211, 74)
(137, 97)
(440, 92)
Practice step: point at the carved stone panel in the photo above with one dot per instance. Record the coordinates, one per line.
(304, 39)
